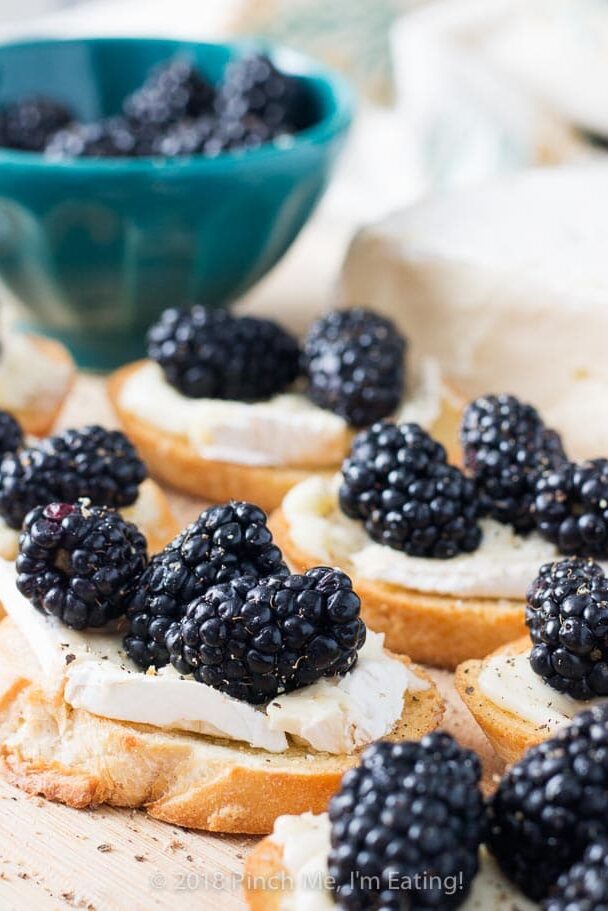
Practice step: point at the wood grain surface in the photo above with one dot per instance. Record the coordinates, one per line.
(53, 857)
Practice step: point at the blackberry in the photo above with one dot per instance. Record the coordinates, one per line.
(506, 446)
(552, 804)
(211, 354)
(255, 639)
(172, 91)
(567, 614)
(405, 824)
(224, 543)
(112, 138)
(396, 480)
(354, 361)
(230, 135)
(29, 123)
(253, 85)
(11, 433)
(585, 886)
(98, 464)
(79, 563)
(571, 508)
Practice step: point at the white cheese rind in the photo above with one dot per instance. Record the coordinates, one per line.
(95, 674)
(287, 430)
(305, 843)
(502, 567)
(367, 702)
(510, 683)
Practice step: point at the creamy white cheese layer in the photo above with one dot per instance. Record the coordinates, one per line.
(144, 513)
(304, 841)
(286, 430)
(336, 715)
(28, 376)
(511, 684)
(502, 567)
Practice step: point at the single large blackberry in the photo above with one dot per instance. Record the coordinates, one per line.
(585, 886)
(212, 354)
(506, 446)
(355, 364)
(255, 639)
(79, 563)
(567, 615)
(98, 464)
(224, 543)
(29, 123)
(406, 825)
(571, 508)
(11, 433)
(552, 804)
(253, 85)
(173, 91)
(397, 481)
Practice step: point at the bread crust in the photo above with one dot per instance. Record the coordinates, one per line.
(509, 734)
(432, 629)
(34, 418)
(264, 872)
(173, 460)
(80, 759)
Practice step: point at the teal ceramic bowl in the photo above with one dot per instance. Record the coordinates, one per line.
(95, 249)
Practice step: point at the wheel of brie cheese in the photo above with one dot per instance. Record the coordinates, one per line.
(505, 284)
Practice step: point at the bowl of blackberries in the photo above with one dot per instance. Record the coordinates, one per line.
(141, 173)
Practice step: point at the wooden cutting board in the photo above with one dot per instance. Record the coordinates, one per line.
(54, 858)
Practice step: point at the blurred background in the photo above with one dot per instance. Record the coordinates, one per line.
(450, 92)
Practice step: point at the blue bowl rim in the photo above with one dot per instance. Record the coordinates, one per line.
(336, 122)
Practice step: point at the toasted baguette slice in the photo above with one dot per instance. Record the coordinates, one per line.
(509, 734)
(266, 878)
(172, 459)
(432, 629)
(83, 760)
(39, 415)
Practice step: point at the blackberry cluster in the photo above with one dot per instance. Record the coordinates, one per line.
(552, 804)
(79, 563)
(354, 361)
(94, 463)
(30, 123)
(396, 480)
(567, 615)
(176, 112)
(224, 543)
(585, 886)
(411, 814)
(253, 86)
(571, 508)
(173, 91)
(212, 354)
(506, 447)
(11, 434)
(254, 640)
(114, 137)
